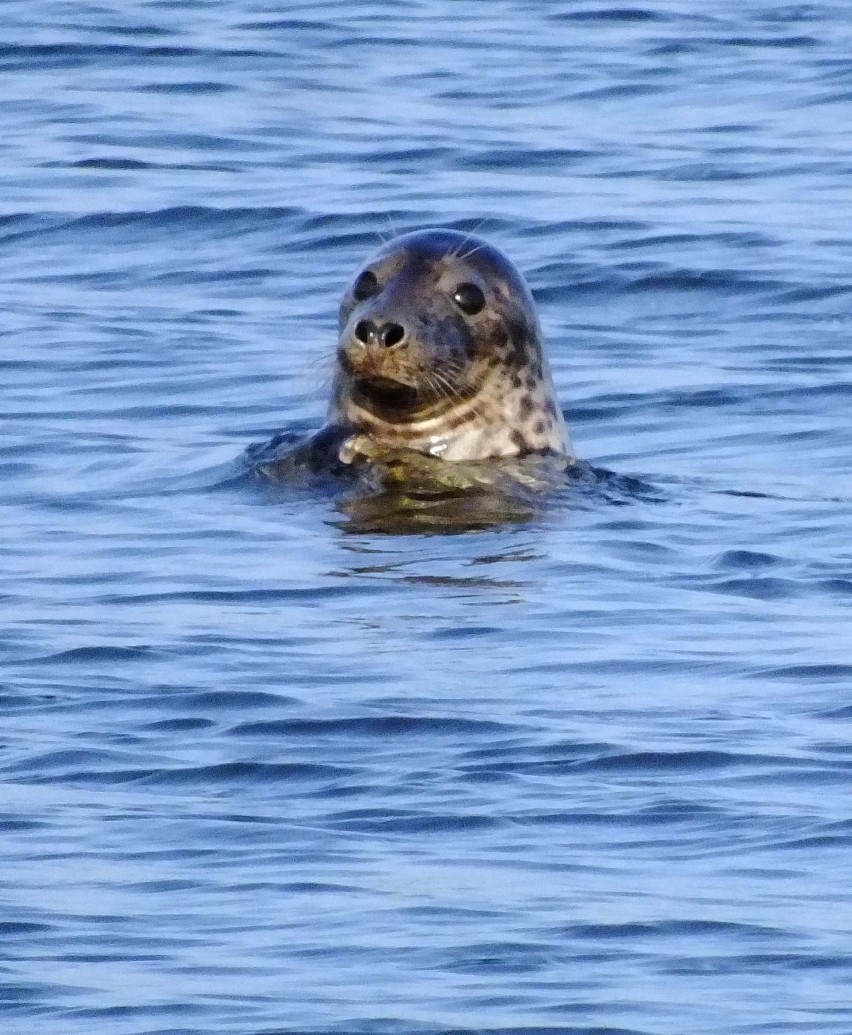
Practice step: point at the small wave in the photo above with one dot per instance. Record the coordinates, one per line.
(230, 773)
(416, 822)
(271, 595)
(671, 814)
(215, 221)
(119, 164)
(844, 712)
(812, 672)
(774, 41)
(208, 86)
(722, 281)
(617, 15)
(86, 655)
(671, 929)
(181, 725)
(746, 560)
(372, 726)
(662, 761)
(196, 703)
(577, 759)
(759, 587)
(67, 766)
(12, 928)
(35, 56)
(599, 483)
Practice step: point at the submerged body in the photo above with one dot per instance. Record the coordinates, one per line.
(440, 352)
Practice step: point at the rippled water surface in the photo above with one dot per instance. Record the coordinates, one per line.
(268, 769)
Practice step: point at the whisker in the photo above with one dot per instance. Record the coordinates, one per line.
(455, 251)
(479, 226)
(442, 386)
(473, 251)
(470, 234)
(452, 394)
(322, 374)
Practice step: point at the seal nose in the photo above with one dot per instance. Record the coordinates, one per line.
(369, 332)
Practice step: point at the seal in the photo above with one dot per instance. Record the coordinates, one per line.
(440, 352)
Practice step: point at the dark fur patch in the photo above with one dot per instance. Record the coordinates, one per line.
(526, 407)
(519, 336)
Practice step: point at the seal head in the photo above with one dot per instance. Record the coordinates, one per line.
(440, 352)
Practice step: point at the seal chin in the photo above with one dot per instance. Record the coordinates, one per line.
(386, 396)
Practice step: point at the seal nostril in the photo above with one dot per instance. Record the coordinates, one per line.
(391, 334)
(364, 330)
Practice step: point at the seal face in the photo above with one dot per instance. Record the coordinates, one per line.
(440, 352)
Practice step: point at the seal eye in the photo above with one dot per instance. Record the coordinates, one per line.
(366, 286)
(469, 298)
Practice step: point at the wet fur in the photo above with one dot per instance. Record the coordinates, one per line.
(483, 386)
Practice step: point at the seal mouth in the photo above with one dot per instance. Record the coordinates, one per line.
(383, 393)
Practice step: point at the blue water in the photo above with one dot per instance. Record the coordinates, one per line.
(266, 770)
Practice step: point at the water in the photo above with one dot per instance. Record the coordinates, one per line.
(266, 770)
